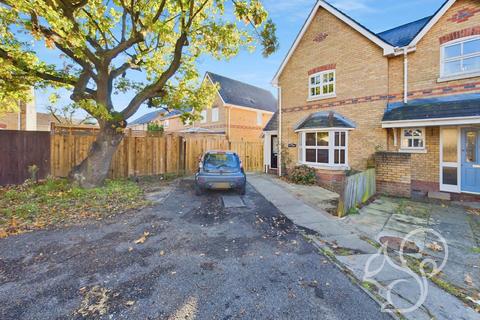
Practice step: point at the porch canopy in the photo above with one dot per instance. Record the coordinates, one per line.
(453, 110)
(325, 120)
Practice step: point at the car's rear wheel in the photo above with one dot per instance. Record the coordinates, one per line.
(242, 190)
(198, 190)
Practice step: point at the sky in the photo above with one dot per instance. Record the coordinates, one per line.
(289, 16)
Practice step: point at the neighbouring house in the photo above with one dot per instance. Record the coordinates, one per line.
(240, 111)
(270, 145)
(406, 100)
(143, 122)
(25, 119)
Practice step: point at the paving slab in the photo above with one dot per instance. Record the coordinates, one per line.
(410, 219)
(438, 302)
(233, 202)
(329, 229)
(357, 264)
(353, 242)
(404, 303)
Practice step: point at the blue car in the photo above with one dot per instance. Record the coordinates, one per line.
(220, 170)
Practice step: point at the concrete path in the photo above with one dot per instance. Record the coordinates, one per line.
(372, 268)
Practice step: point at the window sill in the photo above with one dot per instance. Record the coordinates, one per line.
(325, 166)
(330, 96)
(412, 150)
(459, 77)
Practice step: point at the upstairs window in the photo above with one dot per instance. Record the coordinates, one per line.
(214, 114)
(461, 57)
(203, 116)
(166, 124)
(321, 85)
(259, 118)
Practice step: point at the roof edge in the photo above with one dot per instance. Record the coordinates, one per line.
(434, 19)
(387, 48)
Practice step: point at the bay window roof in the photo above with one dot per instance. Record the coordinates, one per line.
(325, 120)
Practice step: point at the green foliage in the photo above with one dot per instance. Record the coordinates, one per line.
(101, 43)
(303, 175)
(155, 127)
(34, 205)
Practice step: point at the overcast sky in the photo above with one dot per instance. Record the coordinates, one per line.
(289, 16)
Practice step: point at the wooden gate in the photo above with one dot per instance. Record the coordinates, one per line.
(21, 149)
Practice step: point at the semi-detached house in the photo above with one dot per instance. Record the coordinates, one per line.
(407, 99)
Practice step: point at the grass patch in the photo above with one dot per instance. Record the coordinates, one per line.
(55, 201)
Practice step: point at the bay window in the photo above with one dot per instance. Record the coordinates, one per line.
(323, 148)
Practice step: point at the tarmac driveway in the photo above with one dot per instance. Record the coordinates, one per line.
(186, 258)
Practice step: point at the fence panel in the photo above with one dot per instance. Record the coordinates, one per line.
(145, 154)
(21, 149)
(358, 189)
(138, 154)
(251, 154)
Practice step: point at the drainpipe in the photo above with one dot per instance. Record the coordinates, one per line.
(279, 164)
(19, 117)
(405, 75)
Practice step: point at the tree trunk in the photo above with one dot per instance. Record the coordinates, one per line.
(93, 170)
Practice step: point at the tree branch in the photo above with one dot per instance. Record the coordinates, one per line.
(154, 90)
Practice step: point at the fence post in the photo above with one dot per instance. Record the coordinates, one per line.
(130, 149)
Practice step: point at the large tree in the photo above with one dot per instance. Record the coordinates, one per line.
(145, 50)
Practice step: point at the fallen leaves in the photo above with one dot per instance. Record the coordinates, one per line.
(95, 301)
(468, 280)
(129, 303)
(143, 238)
(56, 202)
(434, 246)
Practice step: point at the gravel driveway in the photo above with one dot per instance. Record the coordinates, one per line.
(192, 259)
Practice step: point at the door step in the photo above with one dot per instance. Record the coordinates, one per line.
(440, 195)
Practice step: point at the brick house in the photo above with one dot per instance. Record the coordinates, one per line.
(240, 111)
(407, 99)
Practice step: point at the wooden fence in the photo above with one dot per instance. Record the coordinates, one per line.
(358, 189)
(21, 149)
(142, 154)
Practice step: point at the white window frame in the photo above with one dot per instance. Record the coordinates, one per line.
(321, 84)
(405, 147)
(460, 58)
(302, 147)
(215, 114)
(259, 118)
(203, 115)
(166, 123)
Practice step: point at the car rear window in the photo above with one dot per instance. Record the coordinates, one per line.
(221, 161)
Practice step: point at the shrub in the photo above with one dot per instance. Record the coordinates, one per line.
(155, 127)
(303, 175)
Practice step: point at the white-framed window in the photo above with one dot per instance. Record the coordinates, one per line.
(259, 118)
(166, 123)
(203, 116)
(214, 114)
(321, 84)
(413, 138)
(323, 148)
(460, 57)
